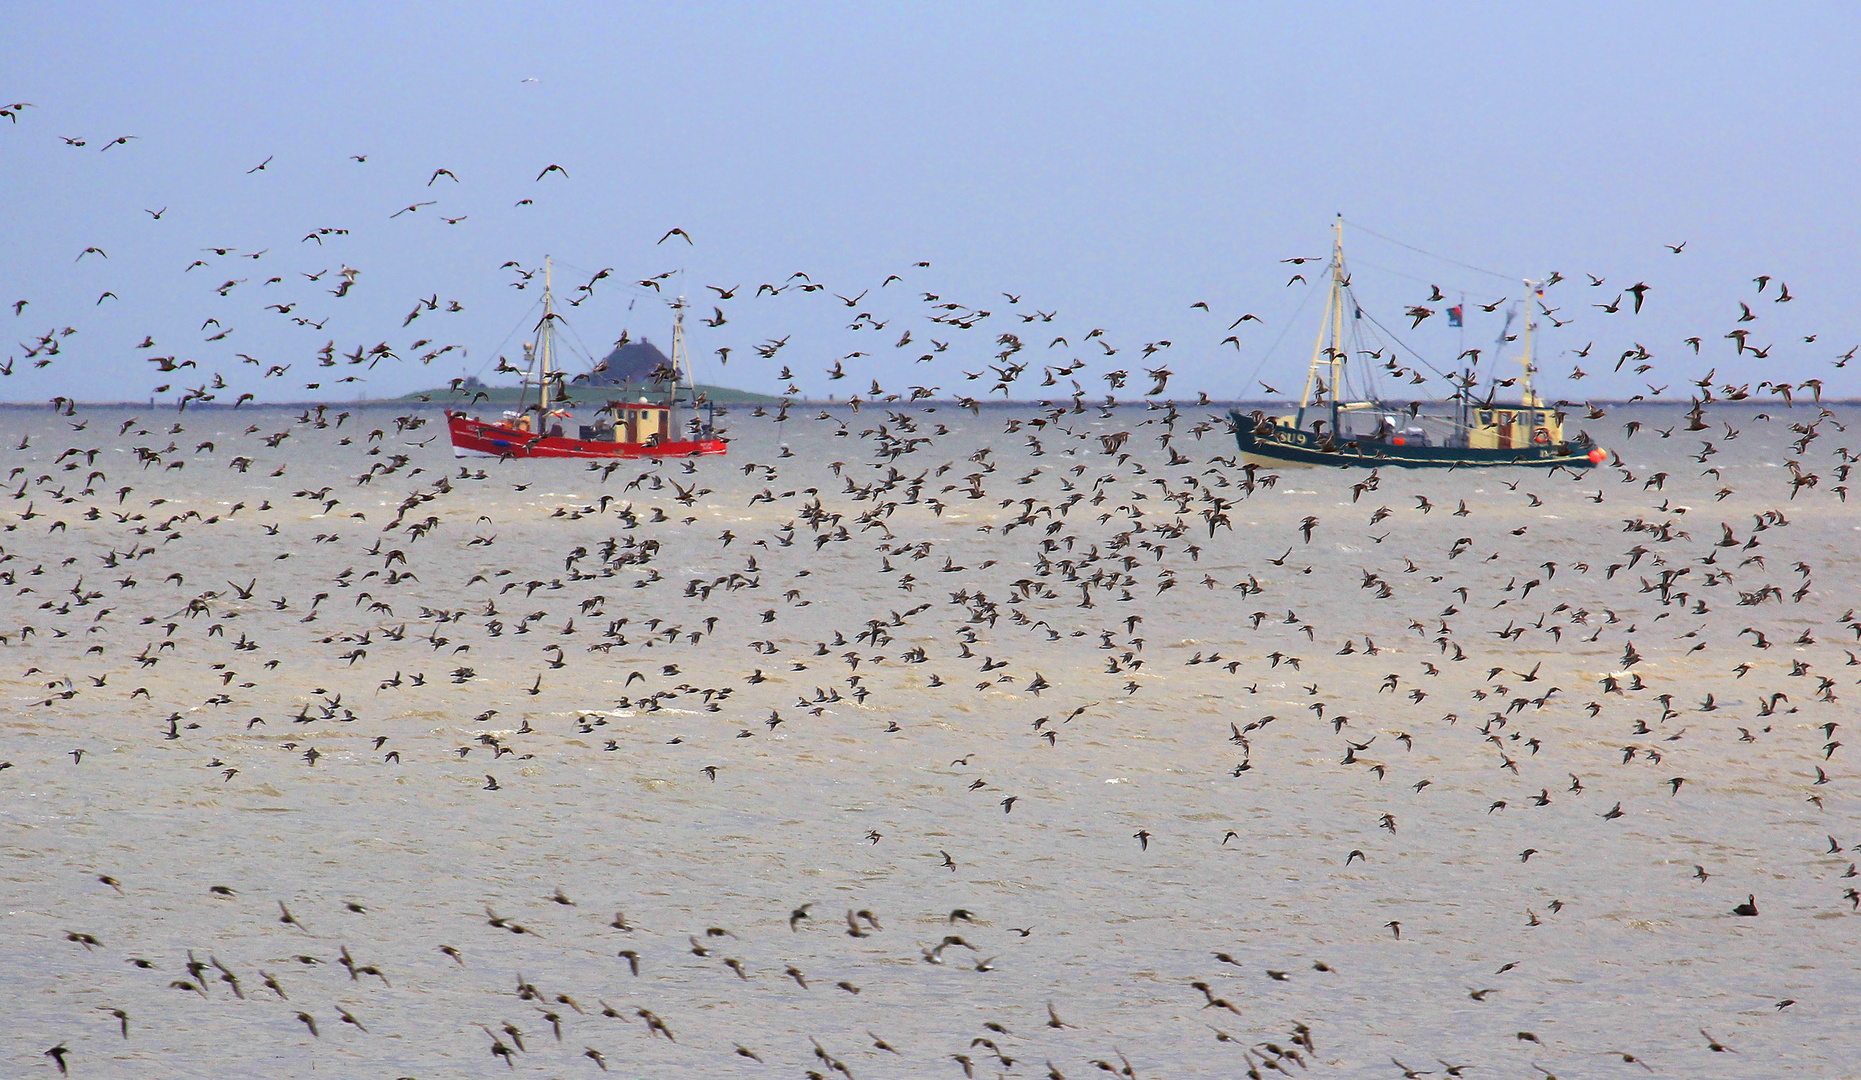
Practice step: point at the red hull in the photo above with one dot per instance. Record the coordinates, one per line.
(471, 436)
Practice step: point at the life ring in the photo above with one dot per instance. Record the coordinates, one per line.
(1540, 436)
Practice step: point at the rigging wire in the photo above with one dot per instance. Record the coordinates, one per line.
(623, 286)
(1407, 277)
(1311, 289)
(1460, 393)
(521, 320)
(1419, 358)
(577, 348)
(1422, 360)
(1378, 333)
(634, 295)
(1432, 255)
(1373, 392)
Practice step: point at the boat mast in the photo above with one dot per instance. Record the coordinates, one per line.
(1338, 281)
(545, 337)
(680, 363)
(1534, 295)
(1331, 353)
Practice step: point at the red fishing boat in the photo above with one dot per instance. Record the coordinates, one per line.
(621, 429)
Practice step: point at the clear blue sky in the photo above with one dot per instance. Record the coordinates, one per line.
(1113, 163)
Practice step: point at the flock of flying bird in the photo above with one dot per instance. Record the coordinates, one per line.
(920, 538)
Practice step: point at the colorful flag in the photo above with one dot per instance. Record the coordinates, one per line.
(1453, 315)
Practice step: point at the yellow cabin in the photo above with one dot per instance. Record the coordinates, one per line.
(642, 422)
(1514, 427)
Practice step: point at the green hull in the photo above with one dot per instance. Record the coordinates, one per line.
(1280, 445)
